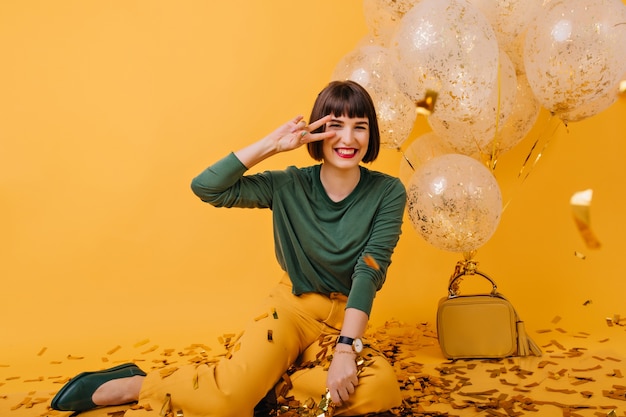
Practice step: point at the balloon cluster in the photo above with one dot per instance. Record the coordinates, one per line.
(493, 64)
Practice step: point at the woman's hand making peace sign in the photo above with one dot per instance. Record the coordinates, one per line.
(296, 132)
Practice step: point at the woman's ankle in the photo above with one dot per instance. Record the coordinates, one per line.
(118, 391)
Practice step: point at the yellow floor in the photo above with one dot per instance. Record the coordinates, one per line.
(579, 374)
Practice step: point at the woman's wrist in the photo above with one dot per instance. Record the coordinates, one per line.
(350, 352)
(341, 349)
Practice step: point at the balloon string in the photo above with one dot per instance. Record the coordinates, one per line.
(547, 133)
(399, 149)
(492, 161)
(543, 149)
(406, 159)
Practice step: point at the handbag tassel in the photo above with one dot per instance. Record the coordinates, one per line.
(525, 345)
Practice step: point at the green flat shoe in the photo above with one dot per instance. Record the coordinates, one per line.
(76, 394)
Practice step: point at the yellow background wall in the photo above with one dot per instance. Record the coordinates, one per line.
(109, 108)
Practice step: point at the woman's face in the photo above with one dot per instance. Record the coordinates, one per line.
(349, 145)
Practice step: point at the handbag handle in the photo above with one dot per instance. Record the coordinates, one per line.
(451, 293)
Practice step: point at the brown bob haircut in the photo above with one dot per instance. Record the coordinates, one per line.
(349, 99)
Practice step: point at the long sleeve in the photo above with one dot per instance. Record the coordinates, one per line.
(223, 184)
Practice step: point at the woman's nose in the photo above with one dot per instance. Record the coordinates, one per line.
(347, 135)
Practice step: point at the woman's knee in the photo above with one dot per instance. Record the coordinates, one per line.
(378, 387)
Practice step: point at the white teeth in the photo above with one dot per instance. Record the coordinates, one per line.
(346, 151)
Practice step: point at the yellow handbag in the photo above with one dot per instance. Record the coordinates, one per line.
(481, 325)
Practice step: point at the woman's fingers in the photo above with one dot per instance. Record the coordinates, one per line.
(298, 123)
(342, 393)
(316, 124)
(306, 137)
(303, 131)
(301, 124)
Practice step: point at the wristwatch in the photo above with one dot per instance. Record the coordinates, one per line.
(357, 344)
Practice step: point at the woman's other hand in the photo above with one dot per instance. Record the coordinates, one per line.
(342, 375)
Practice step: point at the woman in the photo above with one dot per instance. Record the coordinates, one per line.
(336, 225)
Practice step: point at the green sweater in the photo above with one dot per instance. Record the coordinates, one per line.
(318, 242)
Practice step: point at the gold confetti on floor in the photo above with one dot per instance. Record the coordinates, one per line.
(581, 374)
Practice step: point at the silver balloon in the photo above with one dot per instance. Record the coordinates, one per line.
(454, 203)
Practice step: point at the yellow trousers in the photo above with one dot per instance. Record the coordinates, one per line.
(285, 332)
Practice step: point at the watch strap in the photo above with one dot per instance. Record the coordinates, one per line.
(345, 340)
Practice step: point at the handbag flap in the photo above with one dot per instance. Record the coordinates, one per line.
(476, 326)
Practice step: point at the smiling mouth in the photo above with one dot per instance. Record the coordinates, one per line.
(346, 152)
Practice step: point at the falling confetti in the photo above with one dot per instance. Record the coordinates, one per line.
(580, 203)
(371, 262)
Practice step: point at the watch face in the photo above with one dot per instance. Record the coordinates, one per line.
(358, 345)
